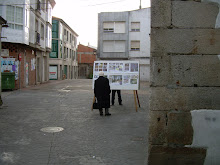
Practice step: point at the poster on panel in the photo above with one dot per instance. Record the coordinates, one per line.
(122, 75)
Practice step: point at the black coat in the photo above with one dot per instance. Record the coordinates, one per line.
(102, 92)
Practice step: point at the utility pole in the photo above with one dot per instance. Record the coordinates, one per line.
(140, 4)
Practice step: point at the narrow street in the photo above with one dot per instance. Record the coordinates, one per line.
(52, 124)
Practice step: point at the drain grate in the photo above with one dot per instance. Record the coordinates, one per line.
(52, 129)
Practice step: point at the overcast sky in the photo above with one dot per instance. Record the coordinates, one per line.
(82, 15)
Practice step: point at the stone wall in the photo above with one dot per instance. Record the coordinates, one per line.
(185, 76)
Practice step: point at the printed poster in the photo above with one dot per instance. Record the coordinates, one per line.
(122, 75)
(8, 65)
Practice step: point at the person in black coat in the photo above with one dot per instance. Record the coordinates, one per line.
(102, 93)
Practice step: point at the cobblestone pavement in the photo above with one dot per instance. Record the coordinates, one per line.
(86, 138)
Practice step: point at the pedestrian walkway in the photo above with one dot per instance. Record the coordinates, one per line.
(52, 124)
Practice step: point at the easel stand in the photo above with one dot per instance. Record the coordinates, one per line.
(93, 103)
(136, 98)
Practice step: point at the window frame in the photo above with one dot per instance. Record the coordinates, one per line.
(135, 48)
(13, 19)
(42, 31)
(111, 27)
(135, 29)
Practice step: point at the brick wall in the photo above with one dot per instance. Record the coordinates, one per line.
(26, 55)
(86, 54)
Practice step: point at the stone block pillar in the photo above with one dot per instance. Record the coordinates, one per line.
(185, 76)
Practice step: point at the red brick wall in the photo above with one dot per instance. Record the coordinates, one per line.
(83, 48)
(14, 51)
(87, 58)
(83, 56)
(31, 73)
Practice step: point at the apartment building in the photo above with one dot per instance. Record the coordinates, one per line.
(26, 43)
(126, 36)
(86, 57)
(63, 62)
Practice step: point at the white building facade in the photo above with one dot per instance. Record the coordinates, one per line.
(63, 63)
(30, 33)
(126, 36)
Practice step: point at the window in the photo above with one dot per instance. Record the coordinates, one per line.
(55, 46)
(38, 4)
(54, 52)
(114, 27)
(67, 53)
(64, 53)
(14, 16)
(73, 57)
(46, 32)
(67, 35)
(114, 46)
(42, 31)
(70, 38)
(135, 45)
(36, 25)
(108, 27)
(135, 26)
(70, 54)
(119, 27)
(43, 5)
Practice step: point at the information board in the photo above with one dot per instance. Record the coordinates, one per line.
(122, 75)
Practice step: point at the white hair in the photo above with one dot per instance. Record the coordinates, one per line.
(101, 73)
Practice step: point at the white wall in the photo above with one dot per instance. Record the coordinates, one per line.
(206, 133)
(142, 16)
(32, 28)
(49, 37)
(143, 56)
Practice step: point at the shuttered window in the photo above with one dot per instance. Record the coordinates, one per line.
(114, 46)
(135, 26)
(114, 27)
(108, 27)
(135, 45)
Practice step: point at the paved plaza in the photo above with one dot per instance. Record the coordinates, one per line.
(52, 124)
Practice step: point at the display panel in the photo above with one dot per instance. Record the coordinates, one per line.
(122, 75)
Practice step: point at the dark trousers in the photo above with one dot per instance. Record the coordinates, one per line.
(119, 96)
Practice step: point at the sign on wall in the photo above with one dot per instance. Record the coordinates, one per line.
(122, 75)
(53, 73)
(5, 53)
(8, 65)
